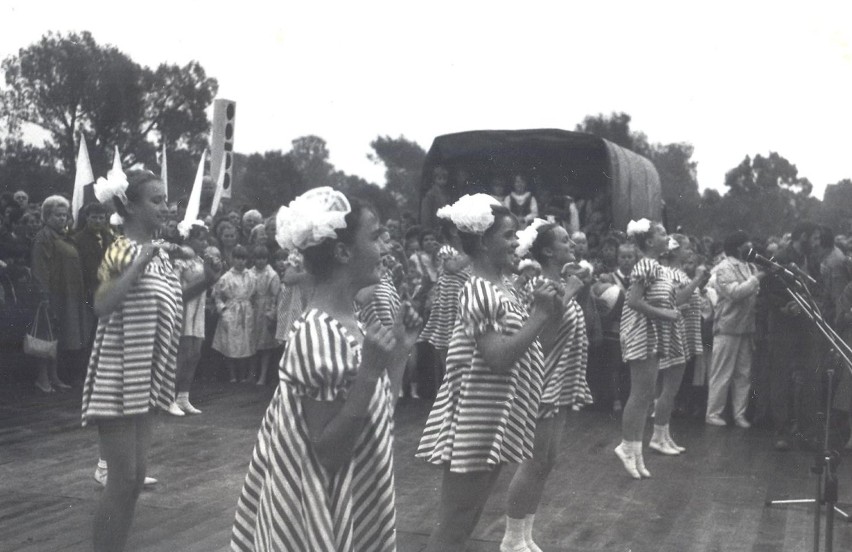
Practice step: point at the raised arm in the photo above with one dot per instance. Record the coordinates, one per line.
(111, 293)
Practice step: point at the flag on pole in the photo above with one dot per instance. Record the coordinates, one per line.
(164, 173)
(83, 176)
(220, 185)
(116, 161)
(193, 204)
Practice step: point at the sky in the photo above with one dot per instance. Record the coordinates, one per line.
(731, 78)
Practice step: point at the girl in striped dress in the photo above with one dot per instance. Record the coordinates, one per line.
(650, 339)
(132, 367)
(485, 412)
(565, 349)
(688, 301)
(454, 271)
(321, 475)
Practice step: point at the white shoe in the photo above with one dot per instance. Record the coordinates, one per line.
(628, 458)
(101, 475)
(187, 407)
(715, 421)
(640, 464)
(663, 447)
(674, 445)
(742, 423)
(175, 410)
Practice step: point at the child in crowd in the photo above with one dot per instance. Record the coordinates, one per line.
(268, 286)
(234, 295)
(294, 294)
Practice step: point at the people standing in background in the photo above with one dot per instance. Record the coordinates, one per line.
(296, 291)
(437, 196)
(197, 273)
(57, 268)
(737, 284)
(268, 287)
(234, 295)
(521, 202)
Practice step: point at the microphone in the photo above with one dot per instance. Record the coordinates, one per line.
(769, 264)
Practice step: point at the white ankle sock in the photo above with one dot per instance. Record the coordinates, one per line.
(529, 520)
(183, 396)
(660, 432)
(513, 538)
(102, 463)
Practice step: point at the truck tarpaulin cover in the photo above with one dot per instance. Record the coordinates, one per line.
(558, 162)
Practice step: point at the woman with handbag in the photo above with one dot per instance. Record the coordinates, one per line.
(132, 368)
(57, 268)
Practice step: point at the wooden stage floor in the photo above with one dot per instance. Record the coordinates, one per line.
(710, 499)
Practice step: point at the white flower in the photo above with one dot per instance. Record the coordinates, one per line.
(311, 218)
(114, 185)
(527, 236)
(445, 212)
(472, 213)
(185, 226)
(641, 226)
(586, 265)
(673, 244)
(116, 220)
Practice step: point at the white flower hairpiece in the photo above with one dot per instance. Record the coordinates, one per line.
(116, 220)
(472, 213)
(673, 244)
(445, 212)
(641, 226)
(586, 265)
(185, 226)
(311, 218)
(114, 185)
(529, 263)
(527, 236)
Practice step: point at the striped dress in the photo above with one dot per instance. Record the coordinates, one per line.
(691, 314)
(289, 500)
(482, 418)
(134, 357)
(445, 307)
(383, 304)
(643, 337)
(565, 364)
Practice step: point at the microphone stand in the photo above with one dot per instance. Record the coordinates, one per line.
(827, 460)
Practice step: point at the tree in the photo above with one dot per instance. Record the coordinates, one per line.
(766, 174)
(403, 160)
(310, 158)
(678, 182)
(616, 129)
(71, 84)
(27, 167)
(268, 180)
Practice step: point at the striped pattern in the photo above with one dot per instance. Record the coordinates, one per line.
(643, 337)
(691, 313)
(134, 357)
(383, 305)
(481, 418)
(289, 500)
(445, 307)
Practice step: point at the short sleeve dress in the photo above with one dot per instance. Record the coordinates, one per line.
(383, 306)
(134, 357)
(289, 500)
(482, 418)
(565, 384)
(691, 315)
(643, 337)
(445, 307)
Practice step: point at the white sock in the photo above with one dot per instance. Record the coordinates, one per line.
(183, 396)
(660, 432)
(529, 520)
(102, 463)
(513, 538)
